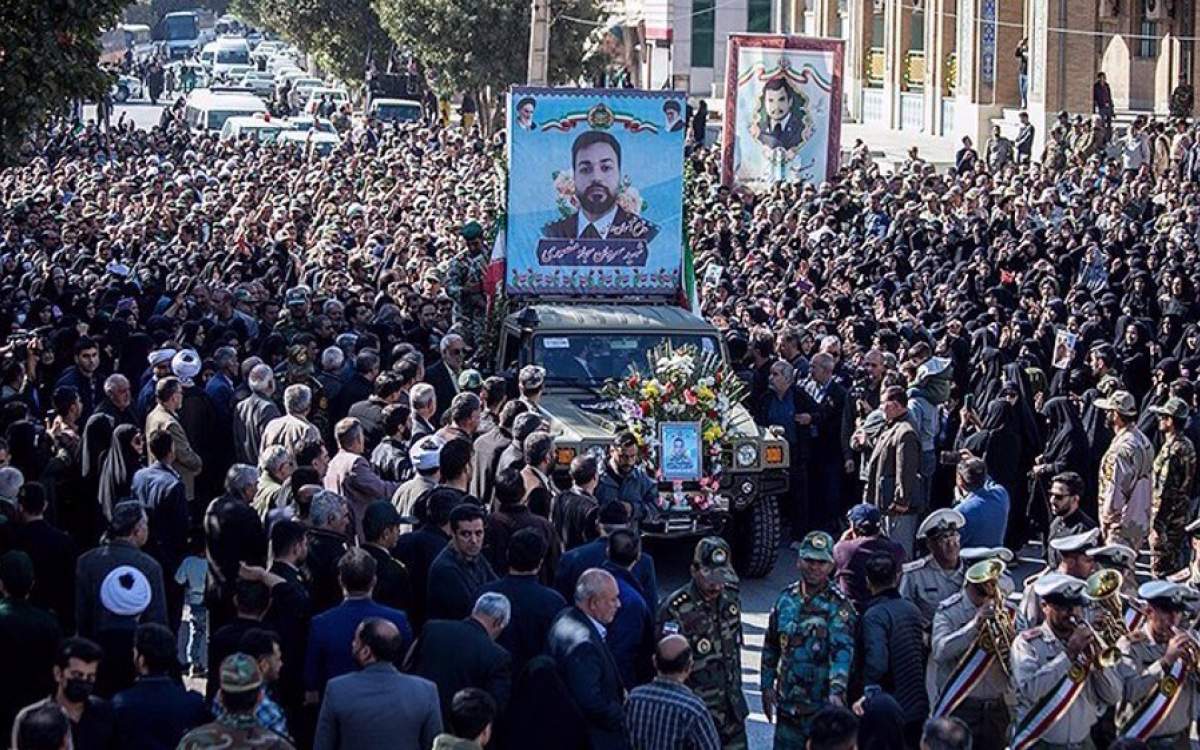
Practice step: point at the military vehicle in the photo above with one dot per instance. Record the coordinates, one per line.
(582, 346)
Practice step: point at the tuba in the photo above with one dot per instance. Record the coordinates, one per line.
(1104, 592)
(996, 635)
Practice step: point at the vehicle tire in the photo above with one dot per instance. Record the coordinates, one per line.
(122, 94)
(755, 538)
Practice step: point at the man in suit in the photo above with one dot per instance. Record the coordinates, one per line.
(596, 166)
(378, 708)
(328, 655)
(157, 711)
(893, 471)
(369, 413)
(53, 554)
(443, 376)
(381, 529)
(418, 548)
(234, 535)
(585, 665)
(534, 606)
(673, 116)
(290, 613)
(253, 413)
(571, 565)
(825, 429)
(127, 532)
(457, 654)
(784, 129)
(351, 475)
(489, 447)
(164, 418)
(252, 599)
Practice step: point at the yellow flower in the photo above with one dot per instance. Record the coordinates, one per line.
(704, 393)
(712, 433)
(651, 389)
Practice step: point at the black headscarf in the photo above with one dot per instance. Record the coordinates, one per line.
(998, 443)
(120, 464)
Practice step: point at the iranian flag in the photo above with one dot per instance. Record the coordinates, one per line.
(494, 273)
(692, 299)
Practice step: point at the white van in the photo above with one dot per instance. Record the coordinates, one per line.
(207, 109)
(220, 55)
(395, 110)
(258, 128)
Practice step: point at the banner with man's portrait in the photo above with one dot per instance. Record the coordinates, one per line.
(783, 110)
(595, 191)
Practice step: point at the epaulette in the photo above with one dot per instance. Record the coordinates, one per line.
(950, 601)
(679, 599)
(1030, 634)
(917, 564)
(793, 588)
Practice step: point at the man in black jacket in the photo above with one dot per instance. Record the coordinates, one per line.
(52, 552)
(460, 571)
(489, 447)
(369, 412)
(329, 515)
(534, 606)
(234, 535)
(252, 599)
(381, 527)
(443, 376)
(419, 547)
(891, 640)
(585, 665)
(457, 654)
(290, 615)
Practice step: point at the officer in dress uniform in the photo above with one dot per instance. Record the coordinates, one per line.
(1061, 687)
(708, 613)
(957, 626)
(972, 555)
(1073, 561)
(1120, 558)
(809, 646)
(1159, 659)
(928, 581)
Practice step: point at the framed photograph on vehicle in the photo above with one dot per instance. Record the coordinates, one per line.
(680, 453)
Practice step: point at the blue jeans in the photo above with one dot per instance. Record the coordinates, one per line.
(1023, 85)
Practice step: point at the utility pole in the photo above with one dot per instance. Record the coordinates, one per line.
(539, 44)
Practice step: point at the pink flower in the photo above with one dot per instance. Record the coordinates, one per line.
(689, 397)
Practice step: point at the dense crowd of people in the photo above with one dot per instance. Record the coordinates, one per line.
(250, 436)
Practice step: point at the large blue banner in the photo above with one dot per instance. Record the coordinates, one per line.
(595, 191)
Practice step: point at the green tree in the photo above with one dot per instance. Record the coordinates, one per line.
(49, 56)
(339, 34)
(483, 47)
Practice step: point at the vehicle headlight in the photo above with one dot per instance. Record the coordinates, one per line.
(747, 455)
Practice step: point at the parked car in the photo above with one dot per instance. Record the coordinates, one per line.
(126, 88)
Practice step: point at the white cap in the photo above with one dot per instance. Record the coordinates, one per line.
(1167, 593)
(941, 519)
(125, 591)
(186, 365)
(975, 554)
(1114, 554)
(1076, 542)
(1060, 585)
(425, 454)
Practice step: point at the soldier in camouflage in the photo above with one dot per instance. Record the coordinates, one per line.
(241, 690)
(464, 283)
(809, 646)
(295, 318)
(1174, 474)
(707, 612)
(298, 370)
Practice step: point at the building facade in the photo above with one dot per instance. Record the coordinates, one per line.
(944, 68)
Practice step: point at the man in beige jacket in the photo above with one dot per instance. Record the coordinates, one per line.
(168, 392)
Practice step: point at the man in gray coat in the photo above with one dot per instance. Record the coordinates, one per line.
(378, 707)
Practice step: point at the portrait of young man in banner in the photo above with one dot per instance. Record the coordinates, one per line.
(784, 122)
(595, 192)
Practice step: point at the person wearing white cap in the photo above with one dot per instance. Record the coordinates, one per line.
(1050, 661)
(1074, 561)
(1155, 657)
(168, 392)
(933, 578)
(979, 698)
(1120, 558)
(1126, 487)
(425, 456)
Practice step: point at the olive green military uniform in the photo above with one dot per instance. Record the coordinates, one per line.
(1174, 473)
(714, 631)
(807, 650)
(464, 284)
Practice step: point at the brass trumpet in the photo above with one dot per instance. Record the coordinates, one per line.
(1104, 653)
(996, 634)
(1192, 651)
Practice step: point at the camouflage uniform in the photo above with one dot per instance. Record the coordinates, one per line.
(464, 285)
(239, 674)
(714, 631)
(298, 370)
(1174, 471)
(807, 651)
(1124, 492)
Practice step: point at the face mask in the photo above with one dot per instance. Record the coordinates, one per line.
(77, 691)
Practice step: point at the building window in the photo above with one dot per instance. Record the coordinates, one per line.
(918, 32)
(1148, 40)
(758, 15)
(703, 33)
